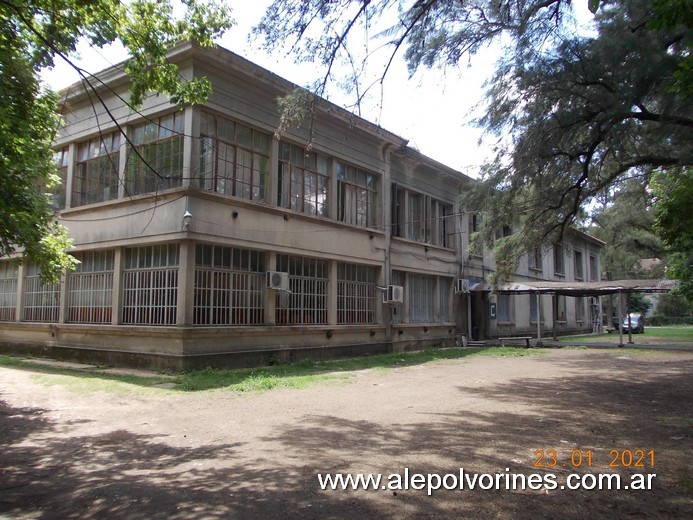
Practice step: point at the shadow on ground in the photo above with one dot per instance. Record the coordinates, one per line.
(607, 403)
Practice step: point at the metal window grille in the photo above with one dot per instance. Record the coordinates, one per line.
(504, 308)
(355, 294)
(159, 164)
(90, 288)
(533, 308)
(356, 196)
(444, 285)
(8, 291)
(150, 285)
(306, 302)
(303, 180)
(96, 170)
(229, 286)
(579, 309)
(421, 294)
(234, 158)
(41, 300)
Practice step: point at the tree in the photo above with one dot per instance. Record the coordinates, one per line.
(574, 114)
(35, 33)
(625, 223)
(673, 218)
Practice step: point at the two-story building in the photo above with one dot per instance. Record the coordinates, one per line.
(206, 240)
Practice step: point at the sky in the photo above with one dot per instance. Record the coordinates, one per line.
(433, 110)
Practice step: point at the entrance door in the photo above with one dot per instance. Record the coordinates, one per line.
(479, 315)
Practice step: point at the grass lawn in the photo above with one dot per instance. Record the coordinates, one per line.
(296, 375)
(673, 334)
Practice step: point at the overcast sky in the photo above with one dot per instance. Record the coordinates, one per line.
(433, 110)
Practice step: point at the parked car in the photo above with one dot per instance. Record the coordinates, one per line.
(637, 323)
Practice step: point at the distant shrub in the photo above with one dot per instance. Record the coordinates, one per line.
(659, 320)
(673, 305)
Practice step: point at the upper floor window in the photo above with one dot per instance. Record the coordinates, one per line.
(579, 265)
(594, 268)
(426, 220)
(357, 194)
(61, 159)
(303, 180)
(156, 162)
(96, 170)
(535, 259)
(475, 227)
(234, 158)
(558, 259)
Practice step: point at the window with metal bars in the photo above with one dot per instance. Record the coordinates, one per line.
(8, 290)
(355, 294)
(234, 158)
(421, 298)
(229, 286)
(306, 301)
(303, 180)
(156, 163)
(41, 300)
(90, 288)
(444, 286)
(150, 285)
(505, 311)
(96, 170)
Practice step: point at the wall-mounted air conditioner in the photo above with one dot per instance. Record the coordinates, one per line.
(393, 294)
(461, 286)
(278, 280)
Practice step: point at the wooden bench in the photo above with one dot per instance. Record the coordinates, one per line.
(515, 338)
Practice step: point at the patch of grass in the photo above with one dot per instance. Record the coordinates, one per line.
(296, 375)
(651, 336)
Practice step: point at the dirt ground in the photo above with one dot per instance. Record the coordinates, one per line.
(142, 454)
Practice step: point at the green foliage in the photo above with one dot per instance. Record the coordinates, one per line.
(32, 36)
(673, 305)
(673, 218)
(625, 222)
(638, 303)
(294, 109)
(575, 115)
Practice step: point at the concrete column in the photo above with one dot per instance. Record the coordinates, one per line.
(333, 187)
(270, 295)
(332, 292)
(186, 284)
(117, 296)
(384, 311)
(191, 145)
(72, 156)
(122, 164)
(21, 274)
(62, 303)
(273, 182)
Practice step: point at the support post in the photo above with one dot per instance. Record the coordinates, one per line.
(538, 297)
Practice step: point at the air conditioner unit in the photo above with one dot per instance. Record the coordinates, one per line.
(394, 294)
(461, 286)
(277, 280)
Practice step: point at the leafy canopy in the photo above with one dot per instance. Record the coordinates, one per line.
(33, 35)
(574, 114)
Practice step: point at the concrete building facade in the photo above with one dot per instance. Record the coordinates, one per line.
(205, 240)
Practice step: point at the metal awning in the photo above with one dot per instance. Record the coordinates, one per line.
(586, 288)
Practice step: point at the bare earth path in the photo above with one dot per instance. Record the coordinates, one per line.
(67, 454)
